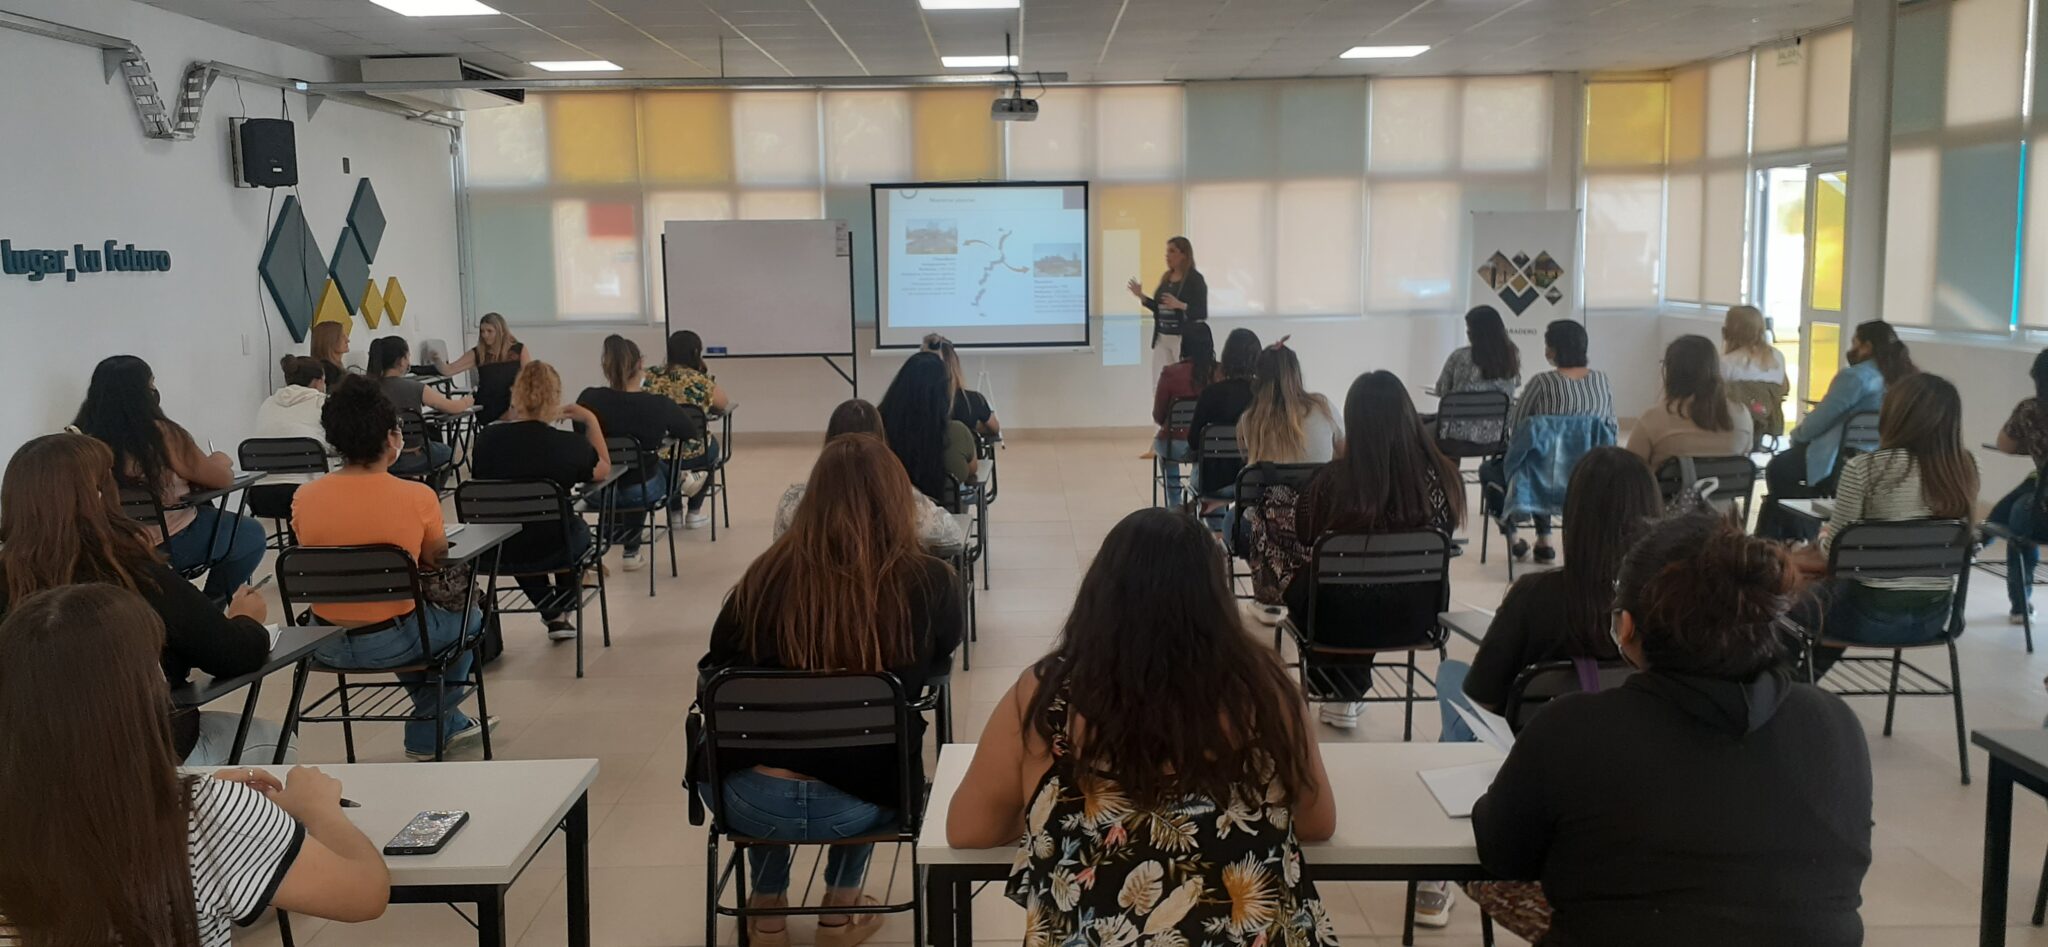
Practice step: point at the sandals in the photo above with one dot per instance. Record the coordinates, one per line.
(858, 928)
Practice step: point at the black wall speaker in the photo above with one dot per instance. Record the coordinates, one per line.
(266, 153)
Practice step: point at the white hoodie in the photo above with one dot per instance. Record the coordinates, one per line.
(294, 411)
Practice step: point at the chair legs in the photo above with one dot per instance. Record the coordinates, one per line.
(348, 728)
(1891, 699)
(1408, 707)
(711, 888)
(1955, 678)
(2041, 896)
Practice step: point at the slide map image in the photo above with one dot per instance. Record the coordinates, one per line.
(1000, 257)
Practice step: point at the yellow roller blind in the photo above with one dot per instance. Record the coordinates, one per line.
(1625, 123)
(1132, 223)
(954, 138)
(686, 137)
(1688, 115)
(592, 138)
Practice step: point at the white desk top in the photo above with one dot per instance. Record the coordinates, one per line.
(513, 806)
(1385, 815)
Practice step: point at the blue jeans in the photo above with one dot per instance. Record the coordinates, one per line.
(761, 806)
(2016, 513)
(1846, 610)
(567, 585)
(632, 500)
(1450, 689)
(400, 645)
(236, 549)
(431, 456)
(1169, 452)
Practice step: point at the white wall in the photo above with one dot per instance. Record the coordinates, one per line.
(78, 170)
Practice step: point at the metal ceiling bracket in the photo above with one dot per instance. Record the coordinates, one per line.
(313, 101)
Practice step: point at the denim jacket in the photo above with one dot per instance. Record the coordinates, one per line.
(1855, 390)
(1540, 459)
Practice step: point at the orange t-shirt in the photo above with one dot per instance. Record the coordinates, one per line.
(346, 508)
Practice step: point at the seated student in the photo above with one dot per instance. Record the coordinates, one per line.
(291, 411)
(1695, 417)
(917, 413)
(1570, 389)
(528, 446)
(1920, 470)
(390, 365)
(1707, 801)
(61, 524)
(1223, 401)
(2025, 433)
(936, 528)
(687, 380)
(103, 841)
(363, 504)
(327, 344)
(497, 357)
(1181, 381)
(1391, 478)
(152, 451)
(1286, 423)
(1754, 370)
(1877, 359)
(623, 409)
(1165, 752)
(847, 587)
(1491, 362)
(970, 407)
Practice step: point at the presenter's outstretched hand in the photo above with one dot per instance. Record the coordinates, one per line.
(1170, 301)
(1136, 290)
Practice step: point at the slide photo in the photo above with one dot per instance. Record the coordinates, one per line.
(927, 237)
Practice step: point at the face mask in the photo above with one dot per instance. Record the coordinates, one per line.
(1614, 635)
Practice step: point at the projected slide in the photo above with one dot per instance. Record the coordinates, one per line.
(984, 264)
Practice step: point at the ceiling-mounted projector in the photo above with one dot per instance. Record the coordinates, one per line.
(1014, 109)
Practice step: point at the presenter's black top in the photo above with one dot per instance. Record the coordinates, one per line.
(1191, 289)
(494, 384)
(1679, 810)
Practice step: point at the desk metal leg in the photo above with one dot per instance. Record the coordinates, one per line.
(577, 841)
(938, 909)
(963, 913)
(290, 730)
(242, 727)
(1997, 854)
(490, 917)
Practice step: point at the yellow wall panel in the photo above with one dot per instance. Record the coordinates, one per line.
(686, 137)
(1830, 219)
(1625, 123)
(955, 140)
(592, 138)
(1825, 358)
(1688, 115)
(1132, 224)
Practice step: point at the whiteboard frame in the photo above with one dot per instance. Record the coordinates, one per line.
(851, 373)
(1087, 253)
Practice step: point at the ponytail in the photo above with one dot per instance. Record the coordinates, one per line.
(621, 360)
(1893, 360)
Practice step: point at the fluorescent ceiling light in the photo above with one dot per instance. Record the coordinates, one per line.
(1383, 52)
(577, 65)
(978, 62)
(436, 7)
(968, 4)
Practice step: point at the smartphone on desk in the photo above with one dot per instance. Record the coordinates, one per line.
(427, 832)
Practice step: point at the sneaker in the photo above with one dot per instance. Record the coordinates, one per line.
(561, 629)
(2020, 618)
(675, 519)
(634, 560)
(1433, 900)
(1342, 716)
(1520, 550)
(1269, 615)
(696, 520)
(1546, 554)
(472, 735)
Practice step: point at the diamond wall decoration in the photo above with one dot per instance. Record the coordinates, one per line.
(372, 309)
(293, 269)
(351, 271)
(366, 220)
(394, 301)
(332, 309)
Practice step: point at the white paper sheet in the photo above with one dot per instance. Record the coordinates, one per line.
(1491, 728)
(1457, 788)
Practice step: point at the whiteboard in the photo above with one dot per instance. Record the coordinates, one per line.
(760, 287)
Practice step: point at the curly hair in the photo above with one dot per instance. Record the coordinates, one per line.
(358, 420)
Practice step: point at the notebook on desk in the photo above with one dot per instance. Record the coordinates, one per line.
(448, 531)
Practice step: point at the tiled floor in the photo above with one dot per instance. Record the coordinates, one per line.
(1059, 497)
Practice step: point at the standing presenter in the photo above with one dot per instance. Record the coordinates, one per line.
(1182, 298)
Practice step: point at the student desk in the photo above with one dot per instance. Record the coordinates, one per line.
(1808, 510)
(2017, 756)
(1469, 624)
(1389, 828)
(514, 807)
(295, 645)
(242, 481)
(477, 539)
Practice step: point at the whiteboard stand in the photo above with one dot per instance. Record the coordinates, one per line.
(767, 266)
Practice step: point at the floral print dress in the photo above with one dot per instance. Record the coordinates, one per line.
(685, 386)
(1096, 870)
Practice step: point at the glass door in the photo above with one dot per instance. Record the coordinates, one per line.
(1783, 253)
(1827, 206)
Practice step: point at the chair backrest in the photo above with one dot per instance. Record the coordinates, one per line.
(1540, 683)
(1734, 477)
(1487, 405)
(282, 455)
(143, 506)
(316, 575)
(1255, 479)
(412, 427)
(746, 709)
(624, 451)
(1219, 442)
(511, 501)
(1860, 433)
(1364, 560)
(1907, 549)
(1179, 415)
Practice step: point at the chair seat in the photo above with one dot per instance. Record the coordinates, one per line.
(1941, 642)
(319, 668)
(877, 838)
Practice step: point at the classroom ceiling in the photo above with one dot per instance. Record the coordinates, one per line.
(1090, 40)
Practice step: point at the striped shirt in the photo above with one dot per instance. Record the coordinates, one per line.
(241, 844)
(1880, 487)
(1555, 393)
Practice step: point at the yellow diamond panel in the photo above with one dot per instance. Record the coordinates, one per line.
(394, 301)
(332, 309)
(372, 306)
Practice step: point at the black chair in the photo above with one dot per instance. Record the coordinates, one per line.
(713, 465)
(970, 500)
(1474, 407)
(1218, 458)
(1179, 415)
(1733, 481)
(627, 452)
(317, 575)
(538, 507)
(278, 456)
(1351, 560)
(1859, 436)
(1253, 482)
(1930, 549)
(144, 506)
(412, 428)
(1543, 682)
(759, 710)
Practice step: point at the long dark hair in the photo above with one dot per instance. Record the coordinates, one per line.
(1610, 503)
(93, 835)
(2040, 375)
(1198, 347)
(915, 411)
(1240, 353)
(1383, 480)
(687, 350)
(121, 409)
(1692, 383)
(1176, 697)
(1894, 362)
(1492, 351)
(620, 361)
(385, 354)
(1923, 416)
(1706, 599)
(61, 521)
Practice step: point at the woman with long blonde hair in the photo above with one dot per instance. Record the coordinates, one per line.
(497, 357)
(1286, 423)
(1754, 370)
(847, 587)
(970, 407)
